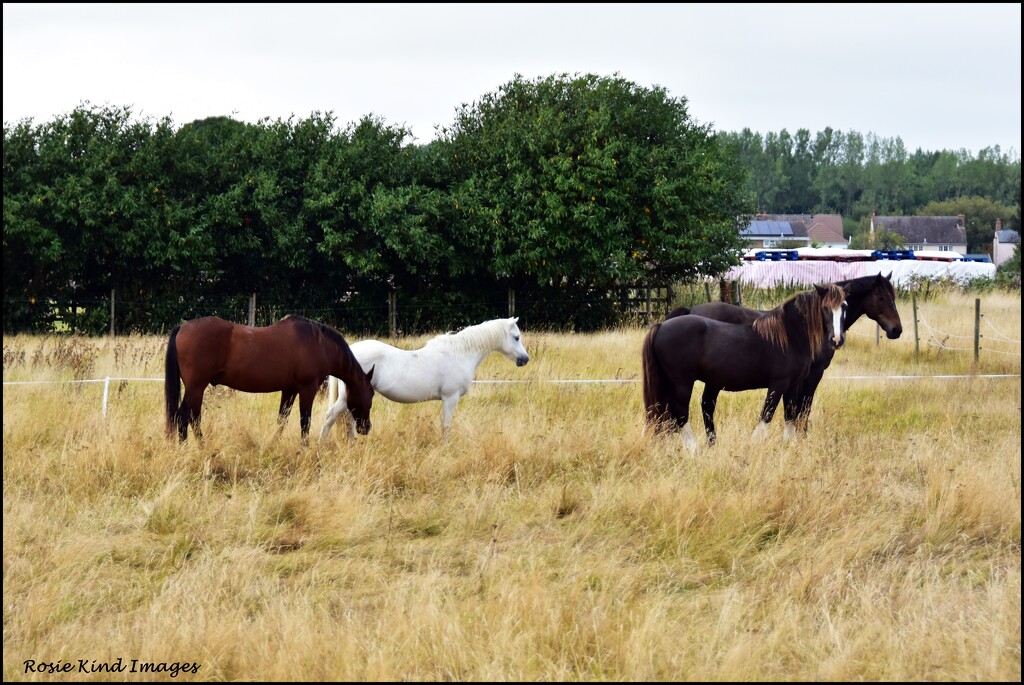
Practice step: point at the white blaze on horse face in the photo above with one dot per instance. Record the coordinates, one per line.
(513, 347)
(838, 322)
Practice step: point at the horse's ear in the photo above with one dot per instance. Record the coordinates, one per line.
(515, 319)
(822, 290)
(889, 277)
(369, 374)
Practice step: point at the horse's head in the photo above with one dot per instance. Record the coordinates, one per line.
(880, 306)
(512, 344)
(833, 305)
(360, 399)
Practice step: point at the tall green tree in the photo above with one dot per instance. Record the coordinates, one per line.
(889, 185)
(590, 181)
(81, 216)
(802, 170)
(378, 214)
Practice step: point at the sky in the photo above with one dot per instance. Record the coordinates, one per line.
(937, 76)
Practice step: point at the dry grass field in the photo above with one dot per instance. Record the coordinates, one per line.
(550, 538)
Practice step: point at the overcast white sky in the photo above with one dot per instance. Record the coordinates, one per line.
(938, 76)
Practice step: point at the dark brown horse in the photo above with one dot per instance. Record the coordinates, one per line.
(776, 352)
(294, 355)
(870, 296)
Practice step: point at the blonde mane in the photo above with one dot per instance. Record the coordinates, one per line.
(481, 337)
(772, 326)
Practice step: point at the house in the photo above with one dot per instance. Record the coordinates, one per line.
(769, 233)
(769, 230)
(824, 229)
(931, 233)
(1004, 243)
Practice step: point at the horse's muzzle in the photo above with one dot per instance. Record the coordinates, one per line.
(521, 361)
(894, 332)
(837, 342)
(363, 427)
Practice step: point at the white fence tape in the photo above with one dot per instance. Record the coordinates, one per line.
(106, 381)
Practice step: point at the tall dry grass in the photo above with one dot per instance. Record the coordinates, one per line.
(551, 538)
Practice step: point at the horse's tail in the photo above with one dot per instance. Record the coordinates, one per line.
(172, 382)
(678, 311)
(655, 400)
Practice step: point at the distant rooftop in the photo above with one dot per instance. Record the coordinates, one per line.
(1008, 236)
(775, 229)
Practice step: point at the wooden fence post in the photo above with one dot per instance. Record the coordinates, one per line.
(252, 309)
(392, 313)
(917, 339)
(112, 293)
(977, 328)
(511, 303)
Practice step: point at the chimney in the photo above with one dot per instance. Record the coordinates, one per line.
(999, 225)
(962, 219)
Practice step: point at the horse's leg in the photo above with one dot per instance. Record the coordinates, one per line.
(287, 399)
(708, 402)
(771, 403)
(679, 408)
(345, 412)
(791, 403)
(336, 411)
(807, 390)
(191, 412)
(448, 403)
(306, 397)
(181, 418)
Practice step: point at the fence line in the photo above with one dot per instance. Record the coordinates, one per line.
(938, 338)
(106, 381)
(1001, 336)
(1009, 354)
(940, 344)
(565, 380)
(934, 341)
(936, 330)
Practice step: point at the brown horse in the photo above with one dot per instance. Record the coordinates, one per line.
(774, 352)
(870, 296)
(294, 355)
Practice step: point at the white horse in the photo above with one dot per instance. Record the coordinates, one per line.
(443, 369)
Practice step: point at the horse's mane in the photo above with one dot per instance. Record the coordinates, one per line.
(772, 326)
(323, 330)
(482, 336)
(856, 287)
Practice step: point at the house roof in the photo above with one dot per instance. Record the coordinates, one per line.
(1008, 235)
(824, 228)
(925, 229)
(761, 228)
